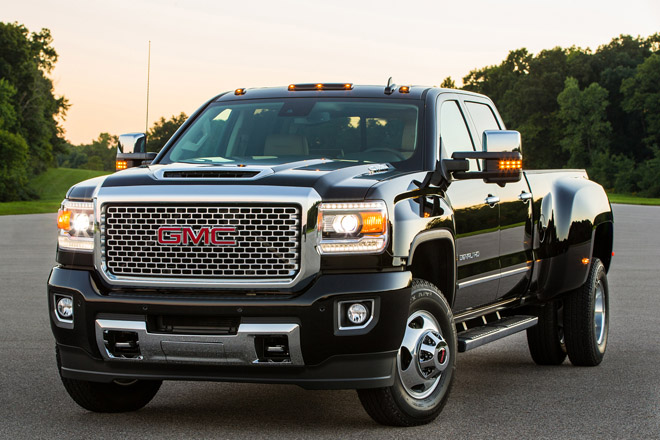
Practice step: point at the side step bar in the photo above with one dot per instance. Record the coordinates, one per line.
(478, 336)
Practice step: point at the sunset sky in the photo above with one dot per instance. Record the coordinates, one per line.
(200, 48)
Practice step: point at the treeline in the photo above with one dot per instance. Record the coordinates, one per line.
(598, 110)
(576, 108)
(100, 154)
(30, 134)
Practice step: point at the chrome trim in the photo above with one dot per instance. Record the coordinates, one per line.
(492, 277)
(478, 336)
(492, 200)
(524, 196)
(306, 198)
(357, 327)
(238, 349)
(57, 315)
(475, 313)
(159, 174)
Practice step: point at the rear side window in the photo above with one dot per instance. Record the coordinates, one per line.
(454, 133)
(483, 117)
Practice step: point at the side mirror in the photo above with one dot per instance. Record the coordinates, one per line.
(132, 151)
(501, 159)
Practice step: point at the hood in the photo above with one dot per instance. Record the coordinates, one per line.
(332, 180)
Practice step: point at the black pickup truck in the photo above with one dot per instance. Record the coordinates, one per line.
(329, 236)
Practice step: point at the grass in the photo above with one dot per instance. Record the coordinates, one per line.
(630, 199)
(51, 187)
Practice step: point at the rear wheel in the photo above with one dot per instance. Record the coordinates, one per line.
(546, 339)
(586, 318)
(112, 397)
(425, 364)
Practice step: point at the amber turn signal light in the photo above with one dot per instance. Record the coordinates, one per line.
(64, 219)
(372, 223)
(510, 164)
(121, 165)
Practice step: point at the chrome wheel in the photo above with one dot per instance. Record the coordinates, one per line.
(423, 356)
(599, 314)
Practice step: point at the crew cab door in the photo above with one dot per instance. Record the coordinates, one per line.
(515, 226)
(476, 220)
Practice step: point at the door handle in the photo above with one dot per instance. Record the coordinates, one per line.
(524, 196)
(492, 200)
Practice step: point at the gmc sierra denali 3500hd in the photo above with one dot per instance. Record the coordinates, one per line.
(329, 236)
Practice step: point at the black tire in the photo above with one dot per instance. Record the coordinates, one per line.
(401, 406)
(112, 397)
(585, 327)
(546, 339)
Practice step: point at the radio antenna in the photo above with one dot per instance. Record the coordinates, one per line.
(146, 124)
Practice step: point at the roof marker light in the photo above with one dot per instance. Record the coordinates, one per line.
(404, 89)
(239, 92)
(307, 87)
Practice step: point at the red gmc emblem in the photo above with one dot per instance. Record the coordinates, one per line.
(185, 235)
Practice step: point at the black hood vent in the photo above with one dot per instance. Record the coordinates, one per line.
(210, 174)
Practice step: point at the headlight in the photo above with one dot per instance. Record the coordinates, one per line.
(75, 221)
(348, 228)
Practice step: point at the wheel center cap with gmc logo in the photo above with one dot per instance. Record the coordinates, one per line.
(185, 235)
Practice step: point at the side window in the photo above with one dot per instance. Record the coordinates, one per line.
(483, 117)
(454, 132)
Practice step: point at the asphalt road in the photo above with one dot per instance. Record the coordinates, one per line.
(499, 392)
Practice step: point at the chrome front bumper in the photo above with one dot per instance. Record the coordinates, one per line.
(164, 348)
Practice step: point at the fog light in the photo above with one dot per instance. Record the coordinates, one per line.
(65, 308)
(357, 313)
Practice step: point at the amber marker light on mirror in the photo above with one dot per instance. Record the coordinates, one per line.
(121, 165)
(510, 164)
(585, 261)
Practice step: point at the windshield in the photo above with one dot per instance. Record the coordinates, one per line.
(277, 131)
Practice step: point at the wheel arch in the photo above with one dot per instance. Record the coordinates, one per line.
(433, 258)
(603, 243)
(573, 218)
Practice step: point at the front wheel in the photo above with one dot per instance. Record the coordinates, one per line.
(112, 397)
(425, 364)
(586, 318)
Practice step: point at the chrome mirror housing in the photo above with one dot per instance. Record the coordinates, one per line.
(132, 143)
(499, 141)
(132, 151)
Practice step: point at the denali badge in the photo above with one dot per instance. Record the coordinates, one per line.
(185, 235)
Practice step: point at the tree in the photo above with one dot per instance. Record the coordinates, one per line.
(99, 155)
(642, 99)
(25, 61)
(13, 150)
(162, 131)
(448, 83)
(586, 128)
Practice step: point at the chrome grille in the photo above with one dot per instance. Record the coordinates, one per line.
(267, 241)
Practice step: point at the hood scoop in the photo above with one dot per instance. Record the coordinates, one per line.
(209, 174)
(214, 173)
